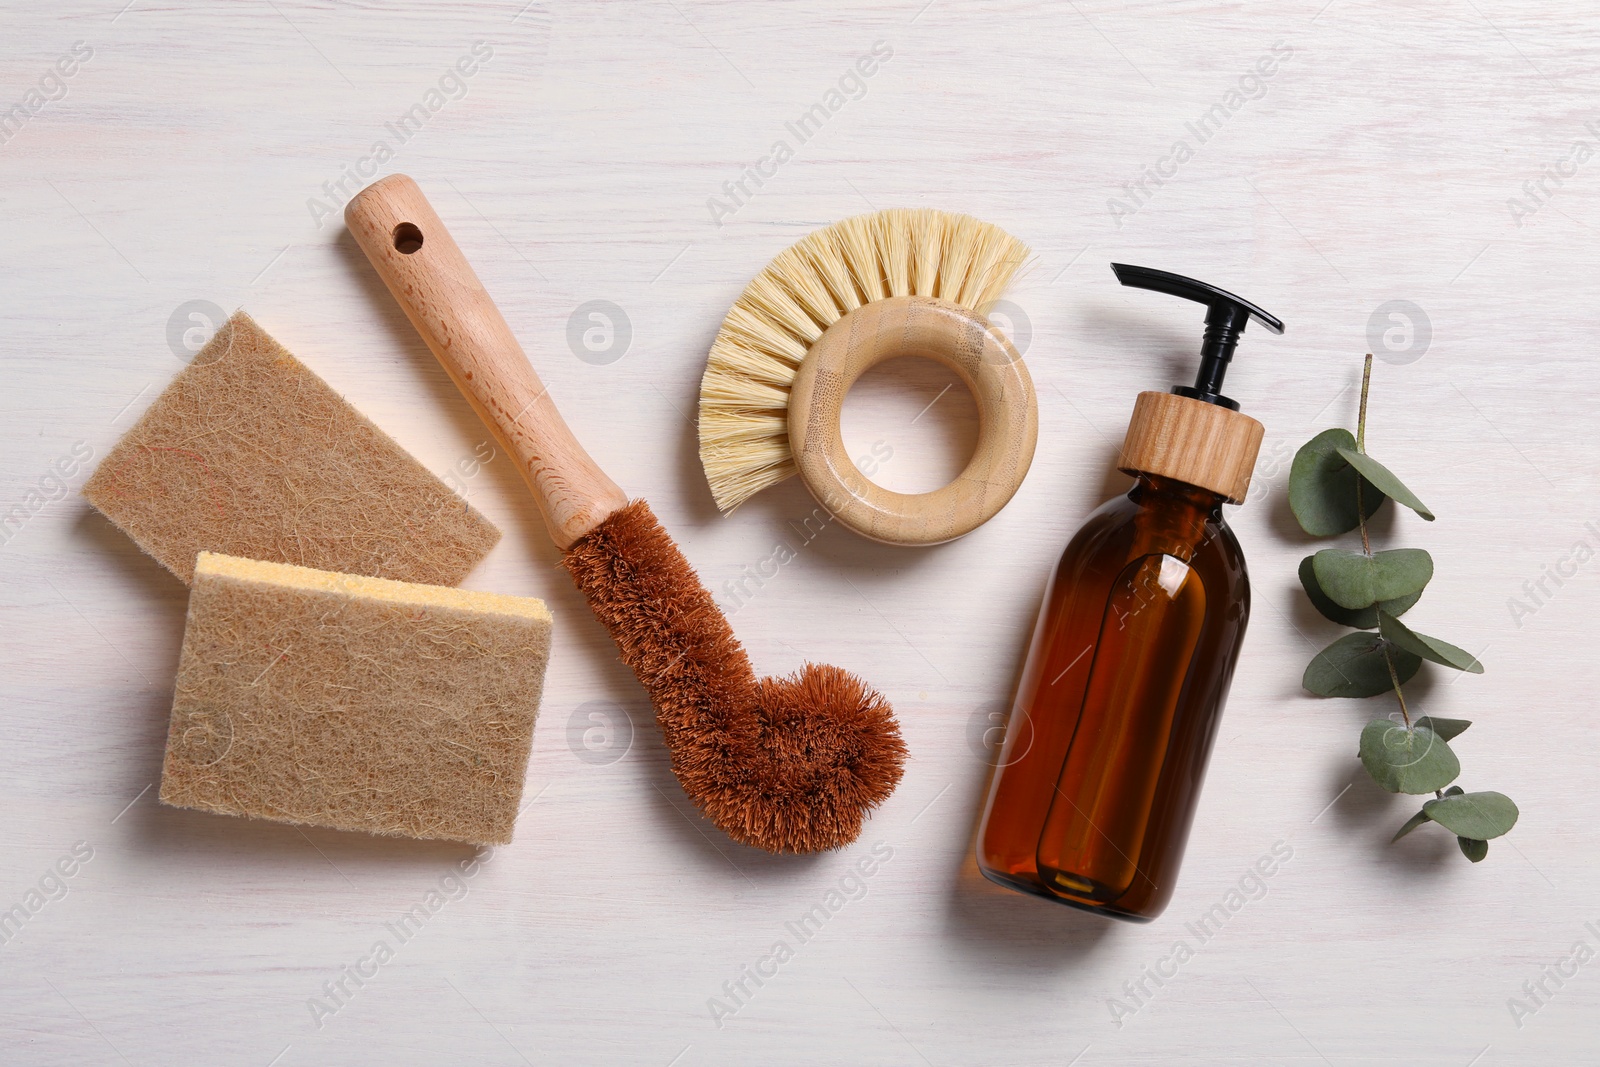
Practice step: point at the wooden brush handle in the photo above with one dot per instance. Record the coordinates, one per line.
(420, 263)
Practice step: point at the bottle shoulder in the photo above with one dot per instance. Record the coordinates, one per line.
(1125, 528)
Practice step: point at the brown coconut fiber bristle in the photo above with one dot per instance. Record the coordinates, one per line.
(785, 764)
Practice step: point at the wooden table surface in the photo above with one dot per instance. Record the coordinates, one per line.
(1335, 157)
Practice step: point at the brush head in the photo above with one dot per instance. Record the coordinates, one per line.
(744, 395)
(788, 764)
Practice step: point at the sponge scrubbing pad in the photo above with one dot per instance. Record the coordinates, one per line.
(354, 703)
(247, 452)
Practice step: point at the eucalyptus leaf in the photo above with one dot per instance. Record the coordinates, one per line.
(1449, 729)
(1322, 486)
(1472, 849)
(1479, 816)
(1429, 648)
(1354, 666)
(1353, 579)
(1411, 824)
(1410, 761)
(1382, 477)
(1360, 618)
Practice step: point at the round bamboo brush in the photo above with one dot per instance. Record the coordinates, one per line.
(847, 297)
(789, 764)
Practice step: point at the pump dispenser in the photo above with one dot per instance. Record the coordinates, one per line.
(1135, 646)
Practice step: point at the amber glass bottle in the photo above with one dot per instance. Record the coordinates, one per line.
(1130, 662)
(1135, 646)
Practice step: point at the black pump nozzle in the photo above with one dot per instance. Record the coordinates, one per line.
(1226, 317)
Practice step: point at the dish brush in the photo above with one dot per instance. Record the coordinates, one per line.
(904, 282)
(785, 764)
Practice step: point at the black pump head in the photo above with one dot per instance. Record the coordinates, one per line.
(1226, 317)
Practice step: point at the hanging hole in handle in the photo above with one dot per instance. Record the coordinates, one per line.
(407, 238)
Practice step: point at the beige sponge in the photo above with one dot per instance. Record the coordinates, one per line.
(354, 703)
(247, 452)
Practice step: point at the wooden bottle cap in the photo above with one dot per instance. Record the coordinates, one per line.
(1192, 441)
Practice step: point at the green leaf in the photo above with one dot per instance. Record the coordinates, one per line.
(1322, 486)
(1385, 481)
(1409, 761)
(1473, 850)
(1449, 729)
(1360, 618)
(1354, 579)
(1411, 824)
(1479, 816)
(1429, 648)
(1353, 666)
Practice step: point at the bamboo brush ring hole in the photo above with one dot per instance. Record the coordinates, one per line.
(993, 372)
(910, 424)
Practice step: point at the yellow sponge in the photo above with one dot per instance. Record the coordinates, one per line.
(354, 703)
(247, 452)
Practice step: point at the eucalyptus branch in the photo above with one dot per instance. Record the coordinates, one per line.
(1329, 487)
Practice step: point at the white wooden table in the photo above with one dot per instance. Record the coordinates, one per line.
(185, 159)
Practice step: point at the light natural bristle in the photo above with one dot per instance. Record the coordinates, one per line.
(744, 396)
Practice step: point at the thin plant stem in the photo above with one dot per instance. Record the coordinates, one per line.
(1366, 545)
(1394, 679)
(1361, 420)
(1361, 446)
